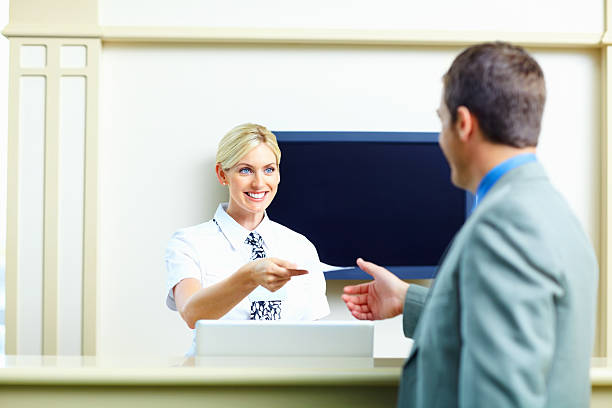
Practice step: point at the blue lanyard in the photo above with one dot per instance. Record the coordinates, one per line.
(498, 171)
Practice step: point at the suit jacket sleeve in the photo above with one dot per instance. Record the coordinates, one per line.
(413, 306)
(508, 287)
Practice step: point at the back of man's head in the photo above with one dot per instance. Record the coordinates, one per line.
(503, 87)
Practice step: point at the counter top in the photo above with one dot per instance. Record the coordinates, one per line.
(139, 382)
(190, 371)
(215, 371)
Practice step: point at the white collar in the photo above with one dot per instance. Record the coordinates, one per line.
(235, 233)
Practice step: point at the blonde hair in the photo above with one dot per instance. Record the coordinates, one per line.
(241, 140)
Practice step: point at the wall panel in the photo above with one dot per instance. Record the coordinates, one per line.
(71, 206)
(164, 108)
(31, 211)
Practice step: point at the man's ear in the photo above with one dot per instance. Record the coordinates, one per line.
(221, 176)
(465, 124)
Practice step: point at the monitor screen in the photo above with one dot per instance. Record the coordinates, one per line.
(385, 197)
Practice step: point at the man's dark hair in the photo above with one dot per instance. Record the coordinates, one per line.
(503, 87)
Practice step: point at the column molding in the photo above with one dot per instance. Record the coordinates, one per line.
(12, 230)
(603, 343)
(51, 203)
(314, 36)
(91, 209)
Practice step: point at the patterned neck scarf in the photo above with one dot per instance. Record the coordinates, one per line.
(256, 243)
(261, 309)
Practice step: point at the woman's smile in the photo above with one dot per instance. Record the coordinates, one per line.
(256, 196)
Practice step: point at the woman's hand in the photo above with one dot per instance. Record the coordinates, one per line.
(271, 273)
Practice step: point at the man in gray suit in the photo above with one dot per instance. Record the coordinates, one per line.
(509, 320)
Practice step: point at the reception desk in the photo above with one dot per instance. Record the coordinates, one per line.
(34, 381)
(81, 381)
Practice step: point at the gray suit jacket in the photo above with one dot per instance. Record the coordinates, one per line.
(509, 320)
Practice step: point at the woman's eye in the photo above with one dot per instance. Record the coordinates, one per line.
(269, 170)
(244, 170)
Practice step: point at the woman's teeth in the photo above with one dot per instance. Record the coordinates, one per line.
(256, 195)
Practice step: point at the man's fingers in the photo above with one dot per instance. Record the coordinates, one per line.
(361, 299)
(357, 308)
(355, 289)
(353, 307)
(362, 316)
(370, 268)
(360, 311)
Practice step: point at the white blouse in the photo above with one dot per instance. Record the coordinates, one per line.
(215, 249)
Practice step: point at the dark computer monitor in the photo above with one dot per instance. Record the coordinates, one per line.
(383, 196)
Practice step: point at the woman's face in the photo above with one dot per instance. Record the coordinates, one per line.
(253, 181)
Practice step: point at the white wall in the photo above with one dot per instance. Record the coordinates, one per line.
(512, 16)
(570, 140)
(164, 108)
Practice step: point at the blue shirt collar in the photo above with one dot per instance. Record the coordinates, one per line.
(498, 171)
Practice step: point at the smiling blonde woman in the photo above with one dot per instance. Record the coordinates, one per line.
(241, 265)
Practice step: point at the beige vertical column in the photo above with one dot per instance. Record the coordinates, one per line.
(53, 73)
(53, 25)
(16, 280)
(603, 342)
